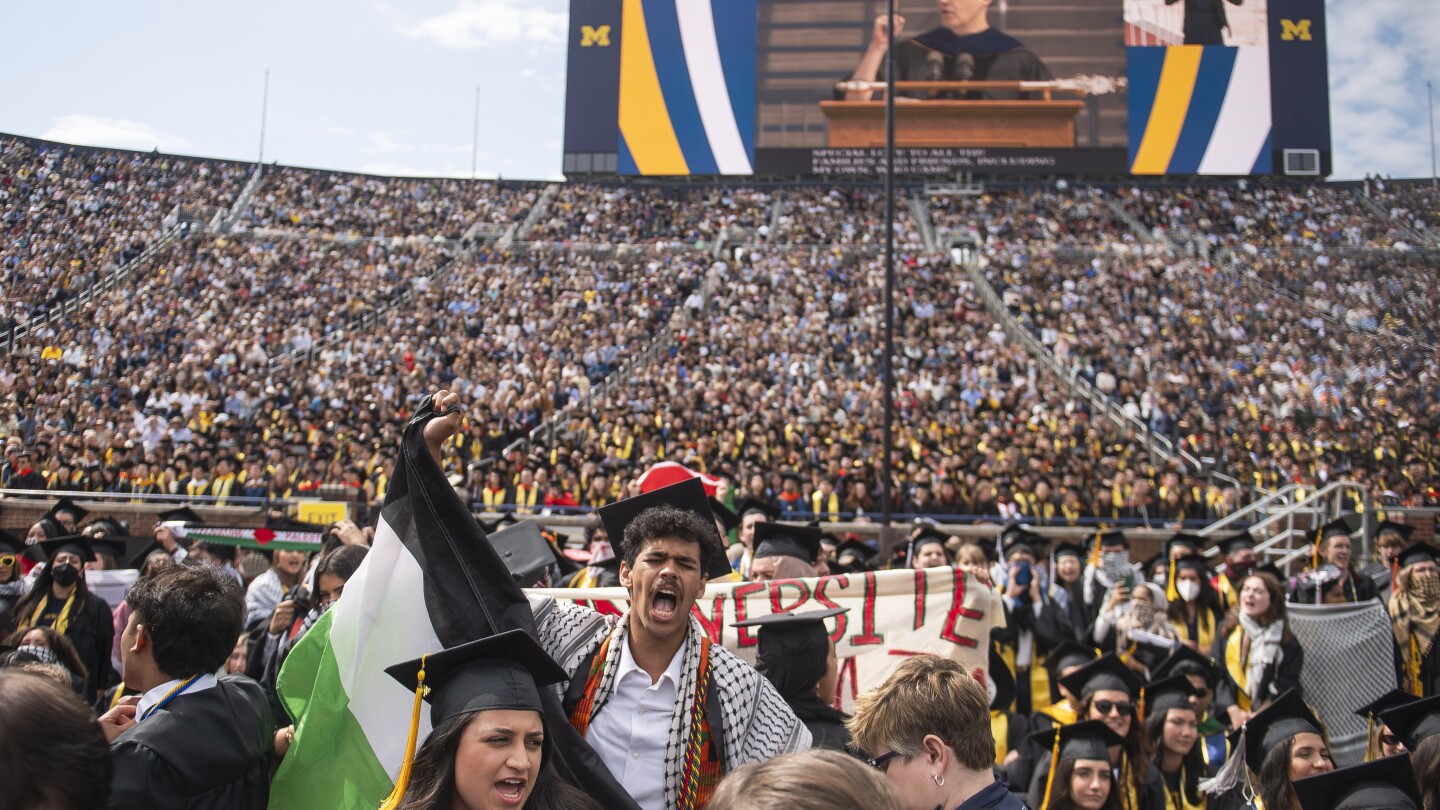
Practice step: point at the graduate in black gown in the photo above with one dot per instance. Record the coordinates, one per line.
(796, 655)
(190, 739)
(1414, 609)
(963, 47)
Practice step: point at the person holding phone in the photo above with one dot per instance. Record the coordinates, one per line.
(1034, 623)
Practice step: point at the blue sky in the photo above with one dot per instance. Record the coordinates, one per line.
(388, 86)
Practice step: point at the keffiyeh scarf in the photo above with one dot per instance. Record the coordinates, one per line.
(1415, 615)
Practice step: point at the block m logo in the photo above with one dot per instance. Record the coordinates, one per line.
(1295, 29)
(592, 35)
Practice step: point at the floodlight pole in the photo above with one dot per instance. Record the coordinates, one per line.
(475, 135)
(264, 108)
(887, 361)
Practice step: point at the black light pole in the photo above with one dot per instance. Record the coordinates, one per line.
(887, 362)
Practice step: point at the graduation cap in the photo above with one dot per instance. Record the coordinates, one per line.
(727, 516)
(1185, 661)
(138, 559)
(1235, 542)
(113, 547)
(1414, 722)
(1384, 784)
(1067, 549)
(1183, 540)
(792, 648)
(1090, 739)
(10, 544)
(1068, 654)
(754, 506)
(524, 551)
(504, 671)
(781, 540)
(1271, 569)
(1344, 525)
(1112, 537)
(77, 512)
(1105, 672)
(1173, 692)
(856, 547)
(1371, 712)
(106, 527)
(1026, 541)
(77, 543)
(1402, 529)
(688, 496)
(183, 514)
(926, 537)
(1284, 718)
(1417, 552)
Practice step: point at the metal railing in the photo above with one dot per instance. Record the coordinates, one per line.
(1379, 210)
(533, 218)
(1148, 235)
(1282, 521)
(242, 201)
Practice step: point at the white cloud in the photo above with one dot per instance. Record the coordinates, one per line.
(381, 143)
(476, 23)
(94, 130)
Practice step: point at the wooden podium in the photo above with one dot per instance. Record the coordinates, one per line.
(1041, 122)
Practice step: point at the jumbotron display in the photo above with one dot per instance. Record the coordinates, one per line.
(674, 88)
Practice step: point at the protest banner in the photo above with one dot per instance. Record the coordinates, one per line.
(892, 615)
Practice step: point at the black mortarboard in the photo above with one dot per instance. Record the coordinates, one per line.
(1271, 569)
(781, 540)
(1185, 539)
(688, 496)
(1194, 562)
(1030, 541)
(10, 544)
(1068, 654)
(1414, 722)
(183, 514)
(1387, 701)
(753, 506)
(1112, 537)
(727, 516)
(504, 671)
(1417, 552)
(1345, 524)
(524, 551)
(1185, 661)
(783, 621)
(926, 537)
(1402, 529)
(1106, 672)
(76, 511)
(1282, 719)
(1173, 692)
(75, 542)
(1067, 549)
(106, 527)
(1235, 542)
(1384, 784)
(137, 559)
(853, 546)
(1090, 739)
(793, 649)
(114, 547)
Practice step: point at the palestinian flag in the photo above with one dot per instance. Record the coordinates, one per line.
(262, 538)
(431, 581)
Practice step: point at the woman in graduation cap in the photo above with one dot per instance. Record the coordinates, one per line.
(1109, 692)
(1333, 545)
(1262, 657)
(1173, 726)
(796, 655)
(1415, 617)
(1381, 740)
(1202, 673)
(1385, 784)
(59, 599)
(1418, 726)
(13, 584)
(1282, 742)
(1079, 776)
(488, 747)
(1194, 607)
(1066, 659)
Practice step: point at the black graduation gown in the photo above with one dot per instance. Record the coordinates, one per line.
(993, 55)
(826, 723)
(208, 749)
(1205, 20)
(92, 631)
(1273, 682)
(1149, 796)
(1048, 629)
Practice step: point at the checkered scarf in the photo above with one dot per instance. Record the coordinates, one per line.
(757, 725)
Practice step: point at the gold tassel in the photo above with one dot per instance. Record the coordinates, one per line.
(1095, 548)
(1054, 763)
(1315, 552)
(1370, 745)
(402, 781)
(1171, 592)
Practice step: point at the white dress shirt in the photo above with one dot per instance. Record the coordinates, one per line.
(631, 731)
(154, 696)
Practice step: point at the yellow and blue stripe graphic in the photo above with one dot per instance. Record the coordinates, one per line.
(687, 87)
(1199, 110)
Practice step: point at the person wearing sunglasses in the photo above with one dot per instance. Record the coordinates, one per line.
(1380, 740)
(928, 729)
(13, 584)
(1109, 692)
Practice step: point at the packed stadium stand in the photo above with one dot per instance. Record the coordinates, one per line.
(1149, 354)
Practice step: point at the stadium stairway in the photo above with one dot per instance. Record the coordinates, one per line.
(1101, 405)
(537, 212)
(1136, 226)
(919, 203)
(243, 201)
(1414, 235)
(1289, 517)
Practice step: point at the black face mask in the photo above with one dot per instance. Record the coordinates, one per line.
(65, 575)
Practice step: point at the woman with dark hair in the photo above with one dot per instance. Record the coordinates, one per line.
(1108, 690)
(1280, 743)
(1194, 606)
(13, 584)
(1079, 776)
(60, 600)
(1261, 656)
(1417, 724)
(1172, 724)
(46, 646)
(489, 747)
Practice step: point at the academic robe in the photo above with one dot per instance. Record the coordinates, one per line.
(1150, 795)
(1274, 682)
(207, 749)
(1048, 627)
(996, 56)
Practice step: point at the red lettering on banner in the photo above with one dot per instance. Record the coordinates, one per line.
(847, 675)
(958, 611)
(841, 581)
(867, 634)
(777, 585)
(920, 583)
(739, 594)
(714, 624)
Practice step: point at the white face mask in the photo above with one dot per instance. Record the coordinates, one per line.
(1188, 589)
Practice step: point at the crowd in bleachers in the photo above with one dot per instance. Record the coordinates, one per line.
(292, 353)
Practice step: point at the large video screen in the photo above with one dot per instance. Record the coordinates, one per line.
(675, 88)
